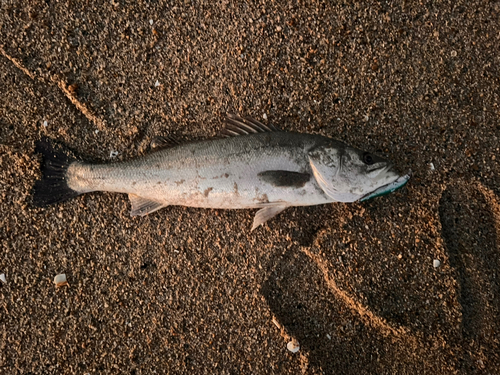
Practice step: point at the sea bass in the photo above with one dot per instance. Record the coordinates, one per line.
(255, 166)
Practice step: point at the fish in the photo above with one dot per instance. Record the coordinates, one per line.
(253, 166)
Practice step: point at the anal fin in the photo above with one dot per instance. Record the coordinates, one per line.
(266, 213)
(143, 206)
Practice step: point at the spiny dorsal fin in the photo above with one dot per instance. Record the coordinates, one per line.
(235, 125)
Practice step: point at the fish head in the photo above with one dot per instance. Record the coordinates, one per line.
(347, 174)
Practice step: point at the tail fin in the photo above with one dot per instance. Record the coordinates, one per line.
(53, 188)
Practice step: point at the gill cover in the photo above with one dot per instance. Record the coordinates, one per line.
(326, 164)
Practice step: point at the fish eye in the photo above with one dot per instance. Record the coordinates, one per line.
(367, 158)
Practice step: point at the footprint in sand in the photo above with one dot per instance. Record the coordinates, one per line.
(339, 333)
(470, 220)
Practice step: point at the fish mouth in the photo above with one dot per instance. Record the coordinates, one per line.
(388, 188)
(381, 171)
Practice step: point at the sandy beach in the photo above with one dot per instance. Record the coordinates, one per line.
(408, 283)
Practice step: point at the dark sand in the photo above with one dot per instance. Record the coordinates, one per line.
(193, 291)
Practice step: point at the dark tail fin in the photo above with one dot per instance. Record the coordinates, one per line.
(52, 188)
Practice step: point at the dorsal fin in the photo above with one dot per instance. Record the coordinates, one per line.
(235, 125)
(160, 142)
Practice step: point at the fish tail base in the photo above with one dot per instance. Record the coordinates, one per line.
(53, 187)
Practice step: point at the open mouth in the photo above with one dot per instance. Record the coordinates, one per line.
(389, 188)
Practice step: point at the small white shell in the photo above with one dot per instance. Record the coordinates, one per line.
(431, 165)
(436, 263)
(293, 346)
(2, 277)
(157, 83)
(60, 280)
(45, 124)
(113, 154)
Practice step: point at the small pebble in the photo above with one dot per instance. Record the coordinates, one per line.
(60, 280)
(151, 22)
(2, 277)
(293, 346)
(113, 154)
(328, 336)
(264, 116)
(45, 123)
(431, 165)
(436, 263)
(157, 83)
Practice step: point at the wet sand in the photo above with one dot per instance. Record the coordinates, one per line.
(193, 291)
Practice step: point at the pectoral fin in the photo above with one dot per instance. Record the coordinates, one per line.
(266, 213)
(143, 206)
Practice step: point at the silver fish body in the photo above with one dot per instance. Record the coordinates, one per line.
(222, 173)
(257, 168)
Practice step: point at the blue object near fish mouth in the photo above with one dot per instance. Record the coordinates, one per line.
(389, 188)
